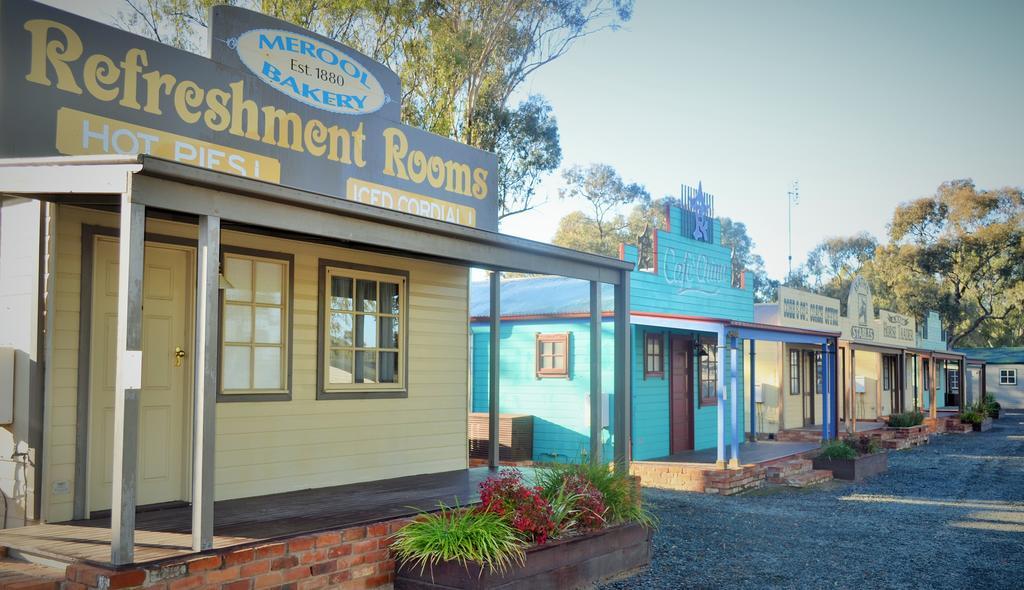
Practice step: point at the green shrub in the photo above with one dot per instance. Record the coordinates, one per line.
(621, 497)
(849, 447)
(906, 419)
(462, 535)
(973, 417)
(837, 449)
(992, 407)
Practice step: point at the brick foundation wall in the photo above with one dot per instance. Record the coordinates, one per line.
(354, 558)
(706, 479)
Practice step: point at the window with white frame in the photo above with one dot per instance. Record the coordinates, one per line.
(364, 340)
(1007, 376)
(254, 325)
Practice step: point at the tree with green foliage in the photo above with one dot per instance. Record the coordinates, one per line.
(459, 61)
(833, 263)
(960, 251)
(606, 194)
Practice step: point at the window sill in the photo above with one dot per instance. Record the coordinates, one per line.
(276, 396)
(558, 376)
(707, 402)
(364, 394)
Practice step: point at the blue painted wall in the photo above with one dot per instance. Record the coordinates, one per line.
(560, 406)
(651, 429)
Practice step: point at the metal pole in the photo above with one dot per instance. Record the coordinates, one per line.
(825, 391)
(753, 392)
(623, 401)
(595, 372)
(720, 366)
(734, 460)
(204, 404)
(128, 380)
(494, 407)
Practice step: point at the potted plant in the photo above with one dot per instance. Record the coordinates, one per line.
(992, 406)
(977, 415)
(577, 526)
(852, 458)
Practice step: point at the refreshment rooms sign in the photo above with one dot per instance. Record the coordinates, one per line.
(275, 103)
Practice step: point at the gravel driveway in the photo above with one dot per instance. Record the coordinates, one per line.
(947, 515)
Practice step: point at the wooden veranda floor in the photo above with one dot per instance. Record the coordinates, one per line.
(166, 534)
(750, 453)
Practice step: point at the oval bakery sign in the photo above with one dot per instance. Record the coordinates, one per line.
(310, 71)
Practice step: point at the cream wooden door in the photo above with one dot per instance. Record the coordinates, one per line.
(163, 430)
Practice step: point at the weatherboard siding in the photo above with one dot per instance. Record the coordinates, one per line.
(268, 447)
(560, 406)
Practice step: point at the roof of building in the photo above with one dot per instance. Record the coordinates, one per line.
(538, 296)
(1005, 355)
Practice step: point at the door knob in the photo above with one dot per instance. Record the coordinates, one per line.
(179, 353)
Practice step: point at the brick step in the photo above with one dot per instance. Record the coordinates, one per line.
(21, 575)
(808, 478)
(779, 471)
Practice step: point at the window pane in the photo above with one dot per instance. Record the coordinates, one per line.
(388, 332)
(341, 329)
(269, 281)
(236, 367)
(267, 369)
(268, 325)
(559, 347)
(547, 347)
(341, 293)
(389, 298)
(366, 295)
(389, 367)
(559, 362)
(238, 272)
(237, 323)
(366, 331)
(340, 370)
(366, 366)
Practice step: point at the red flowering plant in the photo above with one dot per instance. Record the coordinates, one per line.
(524, 507)
(588, 502)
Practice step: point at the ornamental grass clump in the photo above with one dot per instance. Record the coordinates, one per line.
(849, 447)
(973, 417)
(621, 497)
(906, 419)
(461, 535)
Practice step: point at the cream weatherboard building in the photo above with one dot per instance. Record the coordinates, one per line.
(885, 365)
(183, 333)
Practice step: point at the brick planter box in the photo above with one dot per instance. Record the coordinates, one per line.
(855, 469)
(985, 425)
(577, 562)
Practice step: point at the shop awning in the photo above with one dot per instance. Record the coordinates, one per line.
(771, 333)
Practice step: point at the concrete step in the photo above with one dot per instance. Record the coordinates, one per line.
(808, 478)
(22, 575)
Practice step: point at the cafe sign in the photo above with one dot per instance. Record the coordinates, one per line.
(274, 103)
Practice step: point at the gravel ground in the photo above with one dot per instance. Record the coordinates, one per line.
(949, 514)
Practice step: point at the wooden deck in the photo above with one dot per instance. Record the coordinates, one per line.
(750, 453)
(166, 534)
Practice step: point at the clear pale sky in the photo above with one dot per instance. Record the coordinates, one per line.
(866, 103)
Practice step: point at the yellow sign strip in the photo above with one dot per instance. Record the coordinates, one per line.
(406, 202)
(80, 133)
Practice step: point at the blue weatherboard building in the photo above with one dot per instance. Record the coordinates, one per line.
(692, 325)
